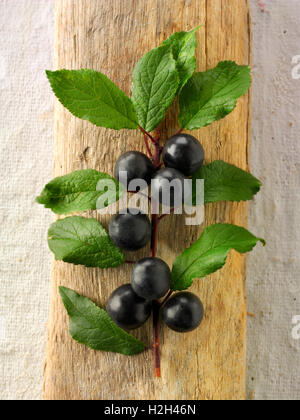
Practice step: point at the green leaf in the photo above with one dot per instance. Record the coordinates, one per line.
(210, 252)
(92, 326)
(155, 83)
(183, 46)
(78, 240)
(92, 96)
(79, 191)
(210, 96)
(225, 182)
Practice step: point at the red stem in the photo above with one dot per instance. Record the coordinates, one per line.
(148, 147)
(179, 132)
(156, 305)
(156, 157)
(155, 141)
(148, 135)
(157, 154)
(154, 240)
(166, 298)
(156, 308)
(154, 235)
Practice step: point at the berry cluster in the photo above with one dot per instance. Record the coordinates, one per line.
(130, 305)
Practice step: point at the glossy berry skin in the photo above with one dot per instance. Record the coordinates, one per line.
(183, 312)
(159, 182)
(184, 153)
(127, 309)
(151, 278)
(130, 231)
(137, 165)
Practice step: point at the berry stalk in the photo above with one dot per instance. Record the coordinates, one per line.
(155, 221)
(156, 305)
(148, 147)
(156, 309)
(156, 159)
(153, 140)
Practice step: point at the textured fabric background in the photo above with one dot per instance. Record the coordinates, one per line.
(26, 144)
(273, 273)
(26, 149)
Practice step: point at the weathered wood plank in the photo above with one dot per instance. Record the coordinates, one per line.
(209, 363)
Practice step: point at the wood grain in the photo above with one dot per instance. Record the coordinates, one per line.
(209, 363)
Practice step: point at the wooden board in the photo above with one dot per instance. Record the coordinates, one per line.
(208, 363)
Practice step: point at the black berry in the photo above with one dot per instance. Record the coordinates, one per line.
(183, 152)
(130, 231)
(169, 188)
(183, 312)
(127, 309)
(136, 165)
(151, 278)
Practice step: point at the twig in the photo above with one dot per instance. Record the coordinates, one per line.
(156, 309)
(156, 305)
(157, 132)
(154, 235)
(166, 298)
(148, 135)
(154, 239)
(179, 132)
(156, 158)
(148, 147)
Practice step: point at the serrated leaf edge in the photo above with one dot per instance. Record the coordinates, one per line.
(192, 127)
(225, 259)
(111, 323)
(49, 73)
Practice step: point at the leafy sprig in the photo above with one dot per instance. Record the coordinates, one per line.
(159, 77)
